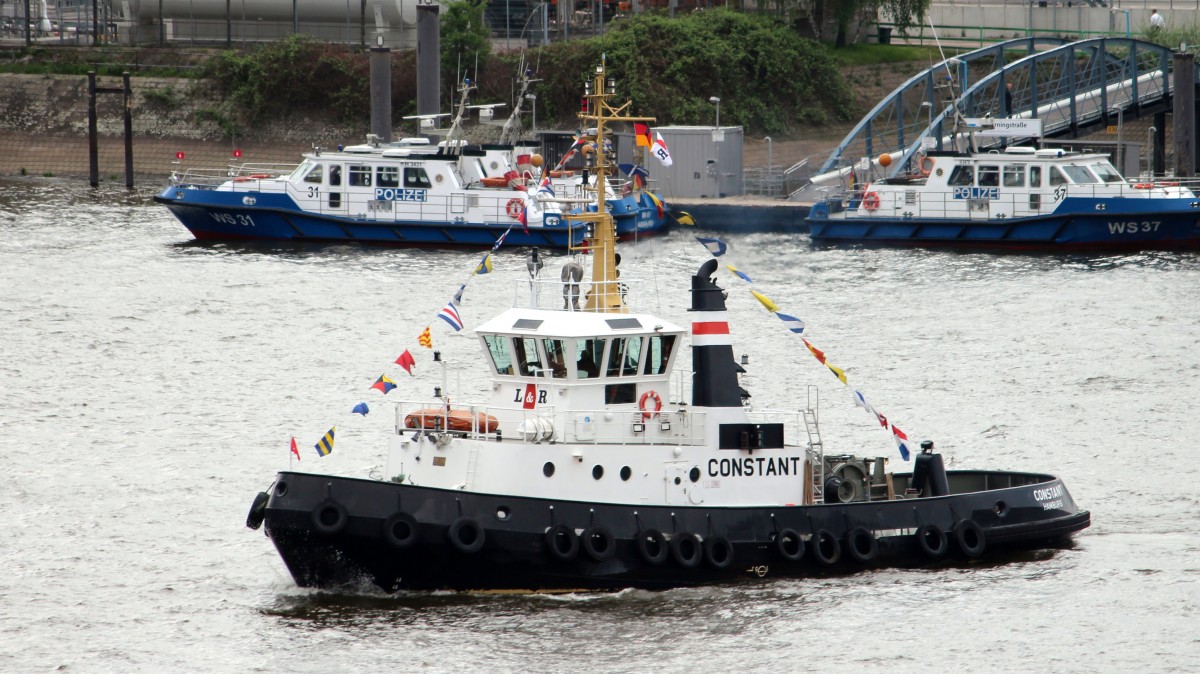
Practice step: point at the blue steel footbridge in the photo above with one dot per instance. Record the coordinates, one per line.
(1072, 87)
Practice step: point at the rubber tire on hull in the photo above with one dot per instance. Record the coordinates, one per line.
(789, 545)
(686, 549)
(862, 545)
(652, 546)
(826, 548)
(718, 552)
(466, 535)
(400, 530)
(970, 538)
(258, 510)
(933, 541)
(329, 517)
(598, 543)
(559, 535)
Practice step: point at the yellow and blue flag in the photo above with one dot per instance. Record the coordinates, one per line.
(741, 275)
(325, 446)
(765, 301)
(485, 265)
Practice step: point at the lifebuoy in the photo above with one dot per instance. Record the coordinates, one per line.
(650, 395)
(925, 166)
(718, 552)
(933, 541)
(515, 207)
(400, 530)
(686, 549)
(652, 546)
(862, 545)
(466, 535)
(562, 542)
(826, 548)
(870, 201)
(969, 537)
(598, 543)
(329, 517)
(789, 545)
(258, 510)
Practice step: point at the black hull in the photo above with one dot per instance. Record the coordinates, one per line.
(335, 532)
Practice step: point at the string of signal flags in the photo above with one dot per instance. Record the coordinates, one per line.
(719, 248)
(384, 384)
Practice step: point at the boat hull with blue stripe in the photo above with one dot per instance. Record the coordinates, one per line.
(1019, 199)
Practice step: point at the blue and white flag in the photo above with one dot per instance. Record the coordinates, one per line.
(715, 246)
(450, 315)
(791, 322)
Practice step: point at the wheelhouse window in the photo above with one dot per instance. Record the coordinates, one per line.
(387, 176)
(624, 356)
(360, 176)
(989, 176)
(1014, 176)
(1057, 177)
(335, 176)
(497, 348)
(316, 173)
(589, 353)
(658, 354)
(1035, 176)
(1080, 175)
(526, 353)
(556, 357)
(416, 177)
(1107, 173)
(962, 175)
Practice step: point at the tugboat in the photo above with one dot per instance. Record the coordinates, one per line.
(1022, 198)
(588, 471)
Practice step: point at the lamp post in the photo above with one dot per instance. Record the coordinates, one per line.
(532, 98)
(770, 173)
(1120, 118)
(717, 101)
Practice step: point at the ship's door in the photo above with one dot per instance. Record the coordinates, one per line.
(677, 483)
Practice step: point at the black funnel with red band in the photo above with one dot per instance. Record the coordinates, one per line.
(714, 370)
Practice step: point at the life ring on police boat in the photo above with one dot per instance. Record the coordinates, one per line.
(870, 201)
(650, 395)
(514, 208)
(925, 166)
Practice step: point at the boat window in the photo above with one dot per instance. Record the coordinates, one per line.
(1014, 176)
(315, 174)
(624, 356)
(1107, 173)
(387, 176)
(360, 176)
(556, 357)
(659, 354)
(616, 394)
(497, 347)
(589, 353)
(1079, 175)
(1035, 176)
(962, 175)
(989, 176)
(416, 177)
(528, 362)
(1056, 176)
(335, 175)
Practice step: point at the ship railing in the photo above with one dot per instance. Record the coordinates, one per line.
(548, 423)
(391, 204)
(558, 295)
(793, 423)
(988, 202)
(203, 178)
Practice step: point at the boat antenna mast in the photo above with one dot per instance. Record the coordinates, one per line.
(512, 126)
(454, 136)
(600, 229)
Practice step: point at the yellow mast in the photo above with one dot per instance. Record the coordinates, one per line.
(601, 236)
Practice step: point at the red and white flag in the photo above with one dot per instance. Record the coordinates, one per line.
(294, 450)
(660, 150)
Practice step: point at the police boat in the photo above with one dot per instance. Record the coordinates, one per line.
(589, 470)
(1020, 198)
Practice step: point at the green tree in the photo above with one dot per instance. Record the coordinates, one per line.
(902, 13)
(464, 39)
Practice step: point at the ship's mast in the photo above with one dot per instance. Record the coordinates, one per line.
(601, 237)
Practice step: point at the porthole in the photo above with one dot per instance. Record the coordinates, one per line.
(694, 474)
(1001, 508)
(548, 469)
(281, 489)
(597, 472)
(678, 481)
(626, 473)
(502, 513)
